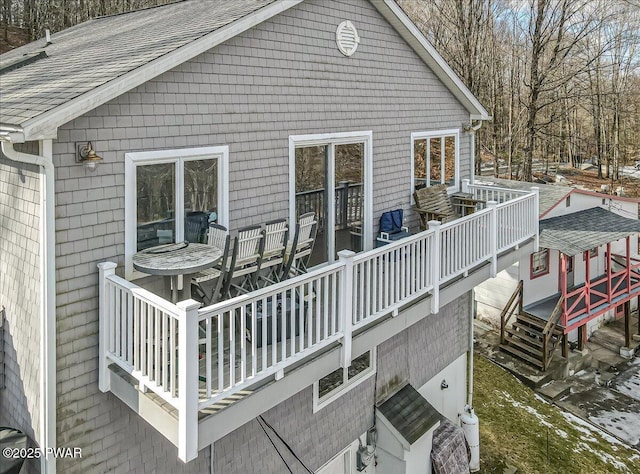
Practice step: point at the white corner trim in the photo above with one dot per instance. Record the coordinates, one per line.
(391, 11)
(46, 124)
(47, 310)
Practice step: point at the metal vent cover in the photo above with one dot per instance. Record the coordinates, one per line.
(347, 38)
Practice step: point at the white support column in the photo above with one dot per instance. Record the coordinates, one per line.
(188, 380)
(493, 236)
(106, 269)
(434, 226)
(536, 220)
(346, 304)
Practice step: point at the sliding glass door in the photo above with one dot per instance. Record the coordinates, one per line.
(329, 179)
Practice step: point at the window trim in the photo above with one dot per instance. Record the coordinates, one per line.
(587, 254)
(533, 275)
(436, 134)
(347, 385)
(176, 156)
(332, 139)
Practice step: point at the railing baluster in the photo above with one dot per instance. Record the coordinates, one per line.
(243, 343)
(265, 307)
(220, 361)
(232, 349)
(254, 338)
(309, 321)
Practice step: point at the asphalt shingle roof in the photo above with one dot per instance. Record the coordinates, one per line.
(95, 52)
(580, 231)
(410, 413)
(549, 194)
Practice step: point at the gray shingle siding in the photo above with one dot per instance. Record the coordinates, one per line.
(415, 356)
(20, 293)
(284, 77)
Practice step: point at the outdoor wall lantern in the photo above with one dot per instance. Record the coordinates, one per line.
(88, 156)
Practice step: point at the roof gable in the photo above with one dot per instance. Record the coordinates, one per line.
(99, 60)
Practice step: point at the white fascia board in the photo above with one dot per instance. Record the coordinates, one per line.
(412, 35)
(46, 124)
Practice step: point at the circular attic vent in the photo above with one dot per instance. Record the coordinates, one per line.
(347, 38)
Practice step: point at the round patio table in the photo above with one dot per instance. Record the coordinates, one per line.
(172, 260)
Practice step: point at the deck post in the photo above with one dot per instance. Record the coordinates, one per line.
(627, 323)
(493, 236)
(587, 280)
(188, 380)
(628, 263)
(608, 262)
(565, 346)
(563, 288)
(346, 304)
(465, 185)
(536, 192)
(581, 337)
(434, 226)
(105, 269)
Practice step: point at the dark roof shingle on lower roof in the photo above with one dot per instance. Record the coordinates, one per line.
(410, 413)
(580, 231)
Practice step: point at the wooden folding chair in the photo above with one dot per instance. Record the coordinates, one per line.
(245, 261)
(302, 246)
(276, 233)
(217, 236)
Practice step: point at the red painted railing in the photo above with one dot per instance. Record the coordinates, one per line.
(600, 295)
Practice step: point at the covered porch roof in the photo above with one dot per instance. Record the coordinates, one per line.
(575, 233)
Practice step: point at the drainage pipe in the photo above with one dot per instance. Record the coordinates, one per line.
(47, 291)
(471, 129)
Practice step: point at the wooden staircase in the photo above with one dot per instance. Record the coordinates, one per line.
(530, 338)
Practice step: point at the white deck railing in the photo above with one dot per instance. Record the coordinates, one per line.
(194, 357)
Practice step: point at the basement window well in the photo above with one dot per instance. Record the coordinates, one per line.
(341, 380)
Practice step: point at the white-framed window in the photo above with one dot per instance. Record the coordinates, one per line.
(171, 195)
(340, 381)
(540, 263)
(435, 159)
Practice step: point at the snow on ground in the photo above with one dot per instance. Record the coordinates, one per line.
(625, 425)
(588, 429)
(605, 457)
(628, 383)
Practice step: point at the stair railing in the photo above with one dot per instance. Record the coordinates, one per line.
(548, 331)
(514, 305)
